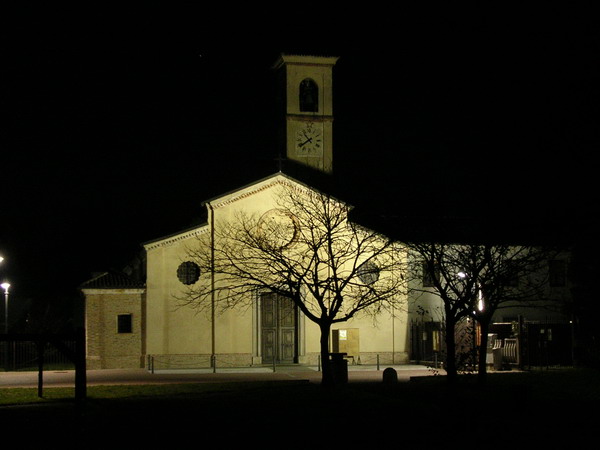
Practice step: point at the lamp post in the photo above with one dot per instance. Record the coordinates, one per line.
(5, 286)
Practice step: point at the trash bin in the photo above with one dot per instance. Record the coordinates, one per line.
(497, 354)
(339, 367)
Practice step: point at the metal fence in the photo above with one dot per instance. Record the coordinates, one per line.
(24, 355)
(427, 342)
(547, 344)
(527, 344)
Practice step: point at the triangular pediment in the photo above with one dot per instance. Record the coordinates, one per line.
(230, 199)
(269, 182)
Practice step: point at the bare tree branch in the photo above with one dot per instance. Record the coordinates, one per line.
(304, 249)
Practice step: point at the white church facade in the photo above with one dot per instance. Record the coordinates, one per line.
(136, 325)
(143, 323)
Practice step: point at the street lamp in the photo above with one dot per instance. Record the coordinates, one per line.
(480, 302)
(5, 286)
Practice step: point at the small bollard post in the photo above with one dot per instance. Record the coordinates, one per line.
(390, 376)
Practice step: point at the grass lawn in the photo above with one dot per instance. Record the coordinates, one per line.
(542, 406)
(29, 396)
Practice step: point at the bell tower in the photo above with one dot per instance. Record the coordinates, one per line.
(306, 87)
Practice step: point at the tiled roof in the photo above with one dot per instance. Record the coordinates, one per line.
(112, 280)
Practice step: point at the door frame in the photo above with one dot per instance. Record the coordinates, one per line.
(259, 327)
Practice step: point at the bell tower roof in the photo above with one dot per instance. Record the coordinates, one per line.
(305, 59)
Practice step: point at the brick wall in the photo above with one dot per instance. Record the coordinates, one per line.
(106, 347)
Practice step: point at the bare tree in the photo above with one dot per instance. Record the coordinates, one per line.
(437, 263)
(306, 250)
(507, 276)
(475, 280)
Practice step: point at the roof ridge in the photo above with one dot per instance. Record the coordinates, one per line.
(112, 279)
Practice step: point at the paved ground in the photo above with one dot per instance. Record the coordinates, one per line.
(141, 376)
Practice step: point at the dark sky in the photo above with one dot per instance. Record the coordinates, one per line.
(117, 124)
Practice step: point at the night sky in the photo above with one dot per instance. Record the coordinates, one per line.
(116, 125)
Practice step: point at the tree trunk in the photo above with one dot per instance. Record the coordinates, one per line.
(450, 339)
(482, 365)
(327, 378)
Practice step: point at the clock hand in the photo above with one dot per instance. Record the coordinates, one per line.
(306, 142)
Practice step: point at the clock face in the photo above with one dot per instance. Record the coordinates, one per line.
(309, 139)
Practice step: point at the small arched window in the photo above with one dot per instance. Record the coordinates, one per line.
(309, 96)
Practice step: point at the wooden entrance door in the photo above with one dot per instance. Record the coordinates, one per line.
(278, 334)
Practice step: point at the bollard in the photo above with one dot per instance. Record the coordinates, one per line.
(390, 376)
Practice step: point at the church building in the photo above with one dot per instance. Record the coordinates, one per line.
(140, 324)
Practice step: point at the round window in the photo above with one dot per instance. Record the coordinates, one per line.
(368, 273)
(188, 272)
